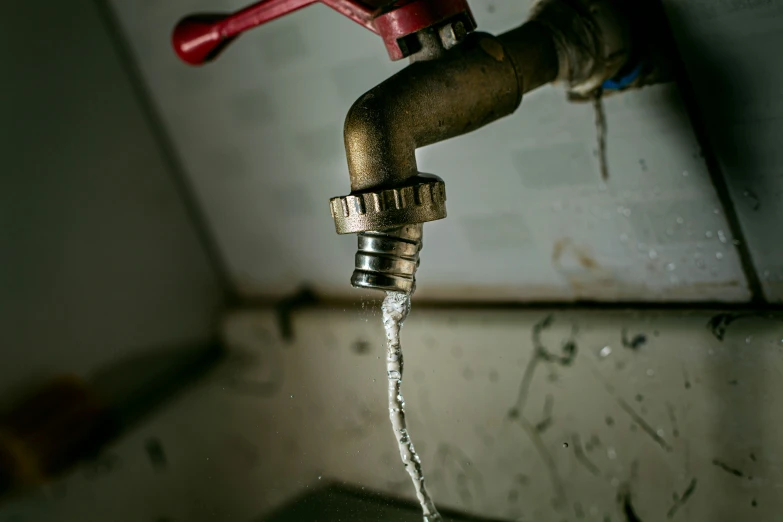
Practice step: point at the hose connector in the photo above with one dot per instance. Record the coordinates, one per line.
(388, 259)
(389, 223)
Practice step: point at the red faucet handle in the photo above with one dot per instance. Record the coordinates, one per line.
(198, 39)
(404, 18)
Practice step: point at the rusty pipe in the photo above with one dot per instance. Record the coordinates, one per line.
(473, 84)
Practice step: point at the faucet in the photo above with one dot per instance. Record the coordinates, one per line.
(459, 80)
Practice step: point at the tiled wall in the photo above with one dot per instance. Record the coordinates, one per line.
(635, 416)
(259, 132)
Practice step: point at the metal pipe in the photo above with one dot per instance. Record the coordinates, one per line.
(387, 260)
(473, 84)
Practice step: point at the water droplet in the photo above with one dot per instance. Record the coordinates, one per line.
(685, 173)
(670, 267)
(606, 351)
(660, 432)
(611, 453)
(721, 236)
(292, 395)
(650, 372)
(749, 339)
(319, 477)
(718, 255)
(565, 444)
(679, 220)
(623, 237)
(652, 254)
(708, 234)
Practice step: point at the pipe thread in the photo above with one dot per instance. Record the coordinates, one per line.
(388, 259)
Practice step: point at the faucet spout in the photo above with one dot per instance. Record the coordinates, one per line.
(475, 83)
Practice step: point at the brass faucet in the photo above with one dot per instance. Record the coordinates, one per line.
(458, 81)
(447, 94)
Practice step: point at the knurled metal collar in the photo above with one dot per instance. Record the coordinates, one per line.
(421, 199)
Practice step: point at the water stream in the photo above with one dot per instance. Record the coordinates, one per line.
(395, 308)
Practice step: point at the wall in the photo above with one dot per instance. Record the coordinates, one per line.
(538, 415)
(731, 48)
(529, 218)
(100, 256)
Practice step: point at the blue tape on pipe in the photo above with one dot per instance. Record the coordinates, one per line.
(616, 84)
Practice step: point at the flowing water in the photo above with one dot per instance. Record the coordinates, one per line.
(395, 309)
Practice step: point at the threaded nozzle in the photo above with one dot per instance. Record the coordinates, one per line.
(387, 259)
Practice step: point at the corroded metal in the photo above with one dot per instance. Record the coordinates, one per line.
(473, 84)
(592, 39)
(419, 199)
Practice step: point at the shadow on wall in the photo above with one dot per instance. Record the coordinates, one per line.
(717, 102)
(718, 94)
(737, 382)
(719, 111)
(676, 52)
(336, 503)
(67, 420)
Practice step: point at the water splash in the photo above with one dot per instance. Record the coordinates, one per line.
(395, 308)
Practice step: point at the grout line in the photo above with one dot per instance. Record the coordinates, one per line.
(167, 149)
(597, 306)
